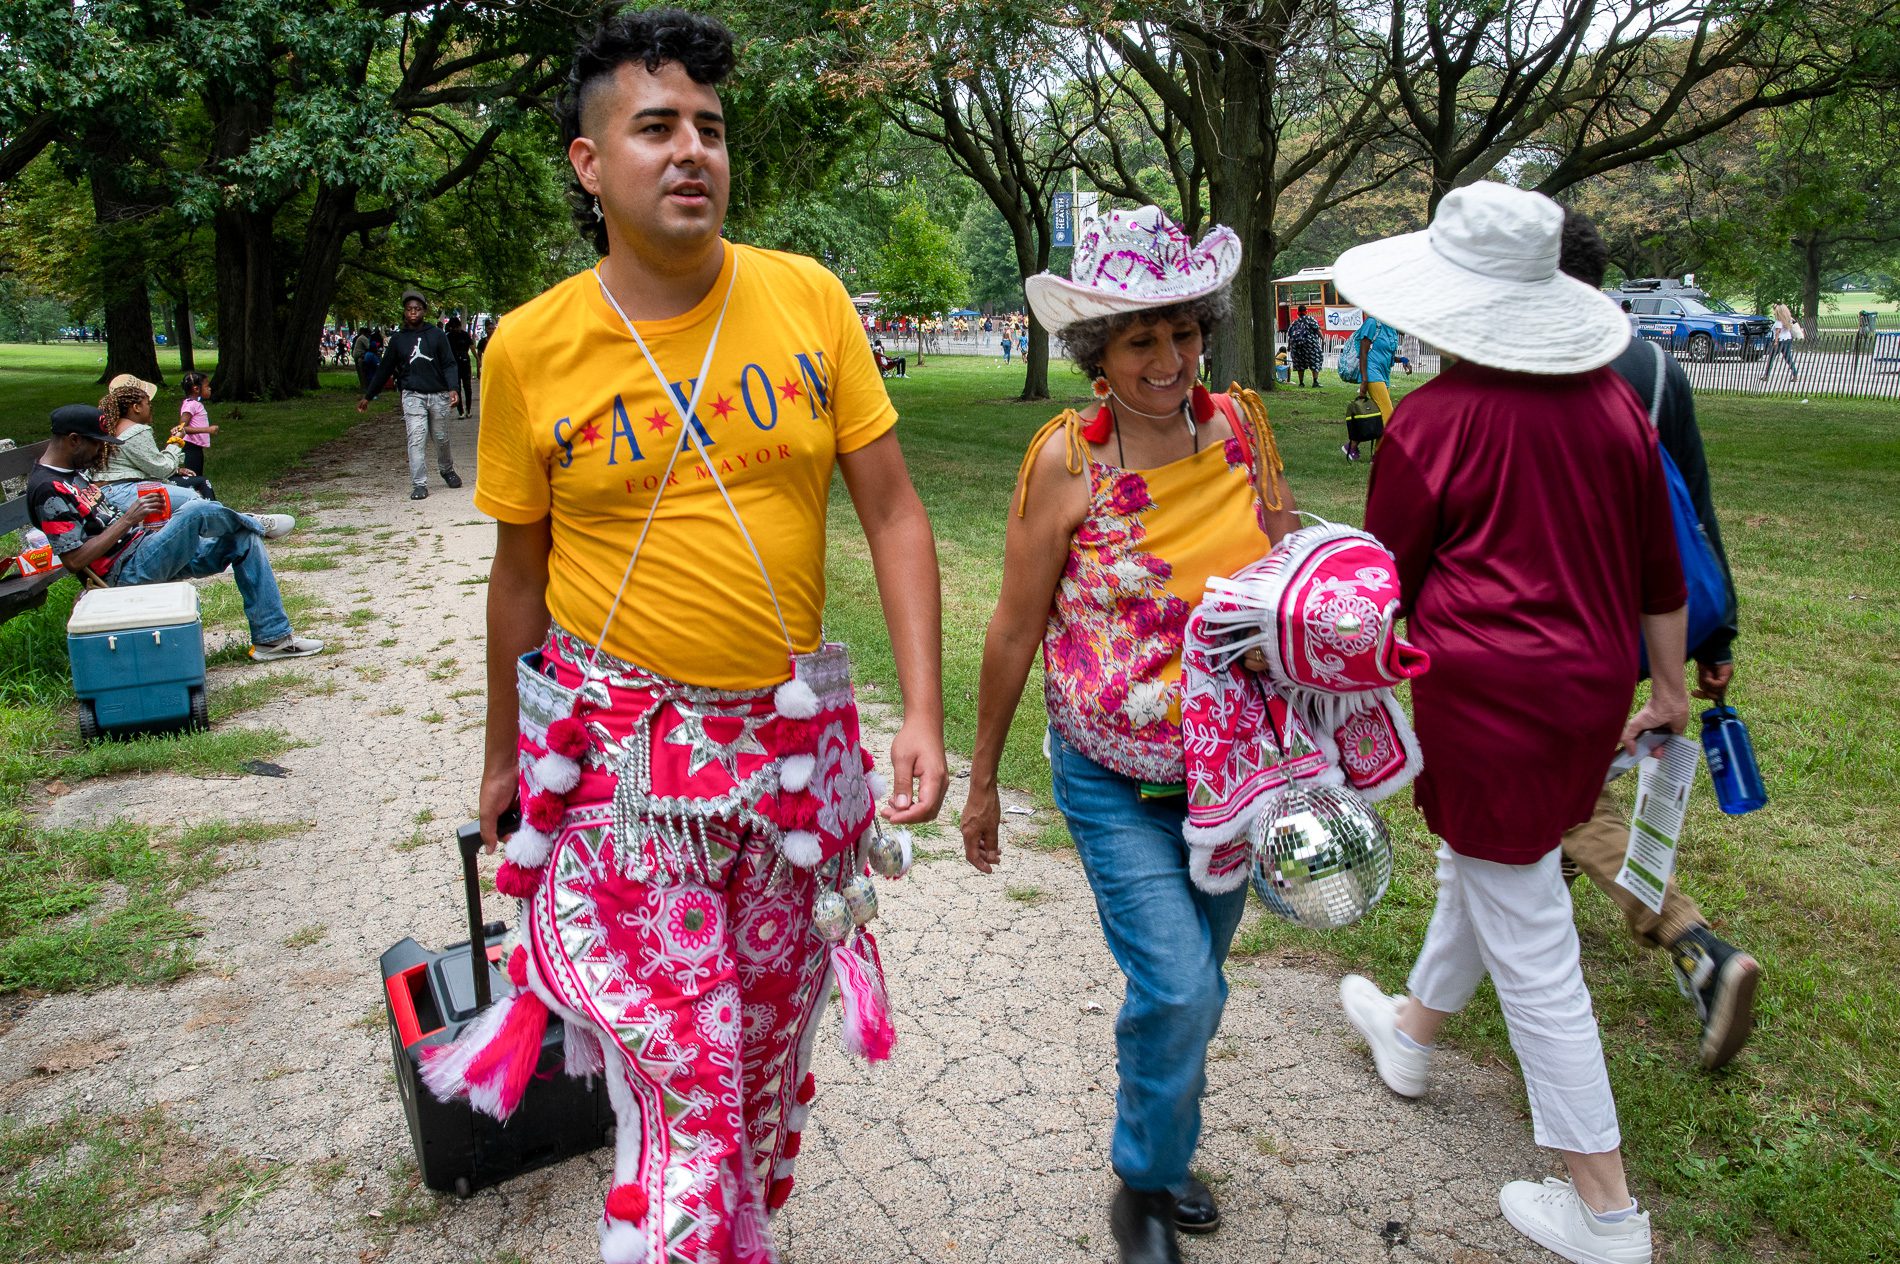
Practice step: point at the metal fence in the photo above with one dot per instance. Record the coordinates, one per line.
(1843, 362)
(1830, 362)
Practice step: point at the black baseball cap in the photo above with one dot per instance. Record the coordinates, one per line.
(417, 296)
(84, 420)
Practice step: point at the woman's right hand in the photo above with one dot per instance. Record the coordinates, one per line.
(981, 822)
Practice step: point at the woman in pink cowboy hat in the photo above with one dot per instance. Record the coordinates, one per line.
(1117, 525)
(1524, 499)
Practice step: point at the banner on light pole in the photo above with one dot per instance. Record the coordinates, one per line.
(1062, 220)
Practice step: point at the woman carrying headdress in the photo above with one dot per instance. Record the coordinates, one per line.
(1122, 512)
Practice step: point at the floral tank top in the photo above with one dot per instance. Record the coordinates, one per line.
(1138, 565)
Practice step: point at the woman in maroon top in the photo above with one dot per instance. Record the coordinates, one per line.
(1524, 499)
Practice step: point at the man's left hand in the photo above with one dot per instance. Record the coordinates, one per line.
(919, 774)
(1712, 680)
(455, 399)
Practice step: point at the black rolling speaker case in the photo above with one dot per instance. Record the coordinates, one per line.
(431, 997)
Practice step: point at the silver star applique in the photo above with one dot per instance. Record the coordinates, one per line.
(691, 733)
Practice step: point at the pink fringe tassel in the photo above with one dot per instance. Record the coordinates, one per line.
(868, 1031)
(494, 1060)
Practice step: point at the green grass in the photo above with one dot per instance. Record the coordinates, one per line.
(1842, 311)
(1800, 1137)
(87, 908)
(67, 1188)
(255, 444)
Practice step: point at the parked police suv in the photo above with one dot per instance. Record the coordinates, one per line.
(1686, 320)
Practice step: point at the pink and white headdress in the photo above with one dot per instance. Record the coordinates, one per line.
(1126, 261)
(1323, 606)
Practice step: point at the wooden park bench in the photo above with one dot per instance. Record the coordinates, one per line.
(19, 593)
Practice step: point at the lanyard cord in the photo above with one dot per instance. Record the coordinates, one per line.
(689, 424)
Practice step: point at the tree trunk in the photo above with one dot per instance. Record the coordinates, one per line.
(181, 319)
(314, 287)
(119, 255)
(1240, 195)
(244, 250)
(247, 305)
(1813, 255)
(1031, 235)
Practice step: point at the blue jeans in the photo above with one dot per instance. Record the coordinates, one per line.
(1170, 939)
(121, 494)
(1783, 348)
(202, 538)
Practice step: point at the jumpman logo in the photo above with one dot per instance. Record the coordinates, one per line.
(415, 353)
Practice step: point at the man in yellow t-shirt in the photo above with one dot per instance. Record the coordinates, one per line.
(695, 808)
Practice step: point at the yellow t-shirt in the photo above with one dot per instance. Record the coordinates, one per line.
(574, 425)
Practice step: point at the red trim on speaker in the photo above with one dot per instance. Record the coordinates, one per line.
(402, 1004)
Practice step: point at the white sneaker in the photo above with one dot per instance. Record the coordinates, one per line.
(1554, 1217)
(1375, 1016)
(289, 647)
(274, 525)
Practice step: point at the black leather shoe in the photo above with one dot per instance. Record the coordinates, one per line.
(1195, 1210)
(451, 478)
(1144, 1227)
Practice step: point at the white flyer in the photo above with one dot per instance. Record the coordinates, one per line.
(1662, 797)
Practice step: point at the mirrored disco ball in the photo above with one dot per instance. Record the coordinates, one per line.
(1321, 856)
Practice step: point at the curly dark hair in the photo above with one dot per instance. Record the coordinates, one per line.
(1583, 256)
(652, 37)
(1087, 340)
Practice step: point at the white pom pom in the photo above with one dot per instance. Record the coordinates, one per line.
(622, 1243)
(903, 840)
(529, 847)
(802, 848)
(796, 773)
(880, 784)
(795, 700)
(557, 773)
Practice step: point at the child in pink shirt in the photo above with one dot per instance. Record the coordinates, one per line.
(194, 427)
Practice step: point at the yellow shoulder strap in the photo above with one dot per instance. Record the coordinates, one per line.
(1077, 456)
(1268, 467)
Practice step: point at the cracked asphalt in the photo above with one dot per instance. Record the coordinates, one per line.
(984, 1140)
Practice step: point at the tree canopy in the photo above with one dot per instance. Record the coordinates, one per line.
(259, 170)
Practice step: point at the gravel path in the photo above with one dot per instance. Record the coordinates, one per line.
(984, 1140)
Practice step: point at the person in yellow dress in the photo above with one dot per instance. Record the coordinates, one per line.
(1121, 515)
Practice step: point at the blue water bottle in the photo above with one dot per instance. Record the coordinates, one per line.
(1731, 758)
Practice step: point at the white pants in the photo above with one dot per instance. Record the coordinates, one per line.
(1514, 922)
(426, 417)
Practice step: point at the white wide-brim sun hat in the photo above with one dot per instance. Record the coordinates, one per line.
(1130, 261)
(1482, 284)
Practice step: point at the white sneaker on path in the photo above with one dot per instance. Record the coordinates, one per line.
(1553, 1216)
(1375, 1016)
(289, 647)
(272, 526)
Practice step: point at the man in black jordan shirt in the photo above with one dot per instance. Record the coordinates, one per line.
(420, 358)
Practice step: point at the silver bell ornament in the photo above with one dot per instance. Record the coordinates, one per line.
(1321, 856)
(890, 854)
(860, 896)
(831, 916)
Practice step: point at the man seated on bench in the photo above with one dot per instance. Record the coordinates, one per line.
(886, 366)
(120, 549)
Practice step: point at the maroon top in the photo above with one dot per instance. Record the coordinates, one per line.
(1530, 519)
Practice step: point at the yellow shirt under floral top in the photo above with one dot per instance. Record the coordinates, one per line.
(1138, 565)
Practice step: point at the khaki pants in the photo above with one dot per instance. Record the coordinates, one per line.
(1596, 848)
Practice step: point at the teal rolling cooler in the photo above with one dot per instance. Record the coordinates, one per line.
(138, 657)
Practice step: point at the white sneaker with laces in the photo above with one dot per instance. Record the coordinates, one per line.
(1553, 1216)
(274, 525)
(290, 647)
(1375, 1016)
